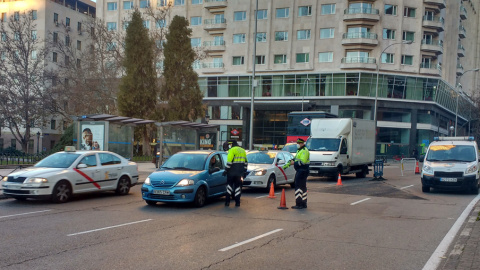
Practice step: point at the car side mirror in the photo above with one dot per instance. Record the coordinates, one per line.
(214, 170)
(421, 159)
(81, 166)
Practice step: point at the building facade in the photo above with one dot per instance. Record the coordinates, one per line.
(323, 55)
(52, 17)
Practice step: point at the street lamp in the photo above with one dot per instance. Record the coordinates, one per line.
(303, 90)
(38, 141)
(254, 82)
(458, 94)
(451, 130)
(376, 89)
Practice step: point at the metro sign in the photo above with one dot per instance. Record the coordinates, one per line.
(235, 132)
(306, 122)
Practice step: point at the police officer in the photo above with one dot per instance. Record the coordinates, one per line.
(301, 164)
(235, 170)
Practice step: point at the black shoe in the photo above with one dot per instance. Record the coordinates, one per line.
(237, 205)
(304, 206)
(227, 204)
(297, 207)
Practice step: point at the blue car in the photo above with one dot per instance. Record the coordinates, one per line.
(186, 177)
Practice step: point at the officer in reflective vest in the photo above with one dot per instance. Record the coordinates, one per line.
(301, 164)
(235, 170)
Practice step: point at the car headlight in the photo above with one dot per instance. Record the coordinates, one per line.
(427, 169)
(5, 178)
(35, 180)
(260, 172)
(472, 169)
(147, 182)
(185, 182)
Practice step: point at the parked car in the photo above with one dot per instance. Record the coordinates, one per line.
(265, 169)
(291, 148)
(187, 177)
(61, 175)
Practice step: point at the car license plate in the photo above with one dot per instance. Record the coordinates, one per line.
(448, 179)
(161, 192)
(15, 187)
(313, 171)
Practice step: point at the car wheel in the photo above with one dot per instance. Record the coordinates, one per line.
(123, 186)
(151, 202)
(425, 189)
(62, 192)
(271, 181)
(200, 197)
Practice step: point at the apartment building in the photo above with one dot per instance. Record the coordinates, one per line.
(323, 55)
(52, 17)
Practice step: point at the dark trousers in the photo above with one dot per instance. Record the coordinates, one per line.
(234, 189)
(301, 187)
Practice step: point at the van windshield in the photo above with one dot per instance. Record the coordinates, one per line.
(462, 153)
(318, 144)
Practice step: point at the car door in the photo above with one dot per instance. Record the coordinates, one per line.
(216, 180)
(279, 172)
(290, 171)
(86, 178)
(110, 170)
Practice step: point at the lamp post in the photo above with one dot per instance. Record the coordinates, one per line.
(38, 141)
(458, 94)
(303, 90)
(376, 89)
(254, 82)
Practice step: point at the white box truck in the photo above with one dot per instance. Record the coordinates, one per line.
(341, 145)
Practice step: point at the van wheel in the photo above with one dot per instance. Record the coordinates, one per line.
(363, 173)
(475, 189)
(425, 189)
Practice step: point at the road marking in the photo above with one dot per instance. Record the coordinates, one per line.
(25, 213)
(110, 227)
(442, 248)
(360, 201)
(250, 240)
(266, 196)
(406, 187)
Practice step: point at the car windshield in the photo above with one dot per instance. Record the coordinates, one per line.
(261, 157)
(316, 144)
(58, 160)
(462, 153)
(292, 148)
(185, 161)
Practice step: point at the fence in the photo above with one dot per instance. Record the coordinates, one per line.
(408, 164)
(20, 159)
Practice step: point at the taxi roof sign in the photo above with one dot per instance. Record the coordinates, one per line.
(70, 149)
(465, 138)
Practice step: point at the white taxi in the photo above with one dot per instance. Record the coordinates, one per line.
(61, 175)
(265, 169)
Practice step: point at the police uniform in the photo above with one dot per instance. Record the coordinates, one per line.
(236, 168)
(301, 165)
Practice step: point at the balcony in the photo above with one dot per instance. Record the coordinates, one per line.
(431, 69)
(435, 46)
(434, 22)
(462, 33)
(459, 69)
(214, 46)
(358, 63)
(213, 67)
(361, 14)
(211, 4)
(441, 4)
(215, 24)
(463, 12)
(461, 51)
(360, 38)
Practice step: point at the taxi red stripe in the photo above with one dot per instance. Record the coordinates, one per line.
(87, 177)
(281, 169)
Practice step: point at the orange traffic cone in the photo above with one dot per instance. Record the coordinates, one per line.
(272, 191)
(339, 182)
(417, 170)
(283, 203)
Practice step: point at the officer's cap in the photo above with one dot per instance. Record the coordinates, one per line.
(300, 140)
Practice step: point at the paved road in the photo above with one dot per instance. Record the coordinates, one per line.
(360, 225)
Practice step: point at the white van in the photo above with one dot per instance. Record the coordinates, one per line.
(451, 163)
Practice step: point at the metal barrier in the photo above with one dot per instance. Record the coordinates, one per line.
(408, 164)
(378, 170)
(21, 159)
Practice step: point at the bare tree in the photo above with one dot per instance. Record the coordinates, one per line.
(25, 78)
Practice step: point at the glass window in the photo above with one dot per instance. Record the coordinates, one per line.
(303, 57)
(303, 34)
(146, 24)
(196, 21)
(262, 14)
(111, 6)
(34, 34)
(161, 23)
(79, 26)
(260, 60)
(108, 159)
(196, 42)
(111, 26)
(388, 33)
(127, 4)
(34, 14)
(261, 37)
(162, 3)
(238, 60)
(281, 36)
(238, 38)
(55, 17)
(325, 57)
(90, 161)
(179, 2)
(390, 9)
(328, 9)
(408, 36)
(327, 33)
(16, 15)
(304, 11)
(409, 12)
(79, 45)
(239, 16)
(387, 58)
(407, 60)
(197, 2)
(280, 59)
(283, 12)
(54, 57)
(34, 55)
(144, 3)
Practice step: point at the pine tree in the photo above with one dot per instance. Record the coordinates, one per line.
(181, 89)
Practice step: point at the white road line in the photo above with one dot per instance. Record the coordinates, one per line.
(111, 227)
(360, 201)
(25, 213)
(439, 253)
(265, 196)
(250, 240)
(406, 187)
